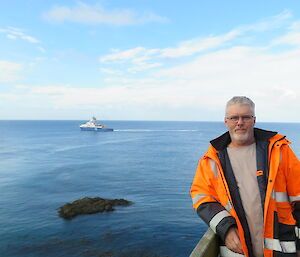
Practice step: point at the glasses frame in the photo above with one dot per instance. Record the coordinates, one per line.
(236, 118)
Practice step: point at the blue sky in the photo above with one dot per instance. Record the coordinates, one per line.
(148, 60)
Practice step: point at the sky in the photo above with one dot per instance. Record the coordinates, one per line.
(148, 59)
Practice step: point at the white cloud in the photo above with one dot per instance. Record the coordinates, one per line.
(40, 58)
(29, 39)
(9, 71)
(9, 96)
(196, 87)
(134, 81)
(124, 55)
(185, 48)
(137, 57)
(270, 23)
(292, 38)
(11, 36)
(21, 87)
(97, 14)
(271, 79)
(203, 82)
(194, 46)
(50, 90)
(134, 95)
(142, 57)
(144, 66)
(239, 66)
(295, 26)
(41, 49)
(15, 33)
(238, 70)
(285, 93)
(110, 71)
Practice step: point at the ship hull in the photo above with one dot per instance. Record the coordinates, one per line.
(96, 129)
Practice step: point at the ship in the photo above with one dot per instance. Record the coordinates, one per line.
(92, 125)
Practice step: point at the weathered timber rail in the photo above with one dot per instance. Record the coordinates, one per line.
(208, 246)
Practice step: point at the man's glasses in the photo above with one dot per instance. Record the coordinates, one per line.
(245, 118)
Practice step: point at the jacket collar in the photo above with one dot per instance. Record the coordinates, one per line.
(224, 140)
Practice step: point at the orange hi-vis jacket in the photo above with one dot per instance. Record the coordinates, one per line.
(218, 203)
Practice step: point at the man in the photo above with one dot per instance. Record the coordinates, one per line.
(247, 188)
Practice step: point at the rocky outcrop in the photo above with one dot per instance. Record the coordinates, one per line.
(89, 205)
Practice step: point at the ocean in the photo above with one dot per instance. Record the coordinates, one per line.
(45, 164)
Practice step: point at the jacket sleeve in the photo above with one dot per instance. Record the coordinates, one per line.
(206, 200)
(293, 187)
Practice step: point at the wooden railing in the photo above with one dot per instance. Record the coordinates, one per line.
(208, 246)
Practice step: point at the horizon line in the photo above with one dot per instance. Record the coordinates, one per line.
(142, 120)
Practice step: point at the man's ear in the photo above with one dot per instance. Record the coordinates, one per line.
(225, 122)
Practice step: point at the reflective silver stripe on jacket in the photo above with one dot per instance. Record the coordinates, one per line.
(225, 252)
(280, 197)
(217, 219)
(295, 198)
(228, 207)
(297, 232)
(197, 197)
(214, 167)
(280, 246)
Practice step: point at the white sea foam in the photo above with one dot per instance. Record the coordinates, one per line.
(156, 130)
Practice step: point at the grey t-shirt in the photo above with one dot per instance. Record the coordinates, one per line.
(243, 162)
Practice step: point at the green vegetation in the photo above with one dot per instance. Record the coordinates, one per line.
(89, 205)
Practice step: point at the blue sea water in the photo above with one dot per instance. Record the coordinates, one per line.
(44, 164)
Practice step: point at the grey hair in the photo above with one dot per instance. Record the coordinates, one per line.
(241, 100)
